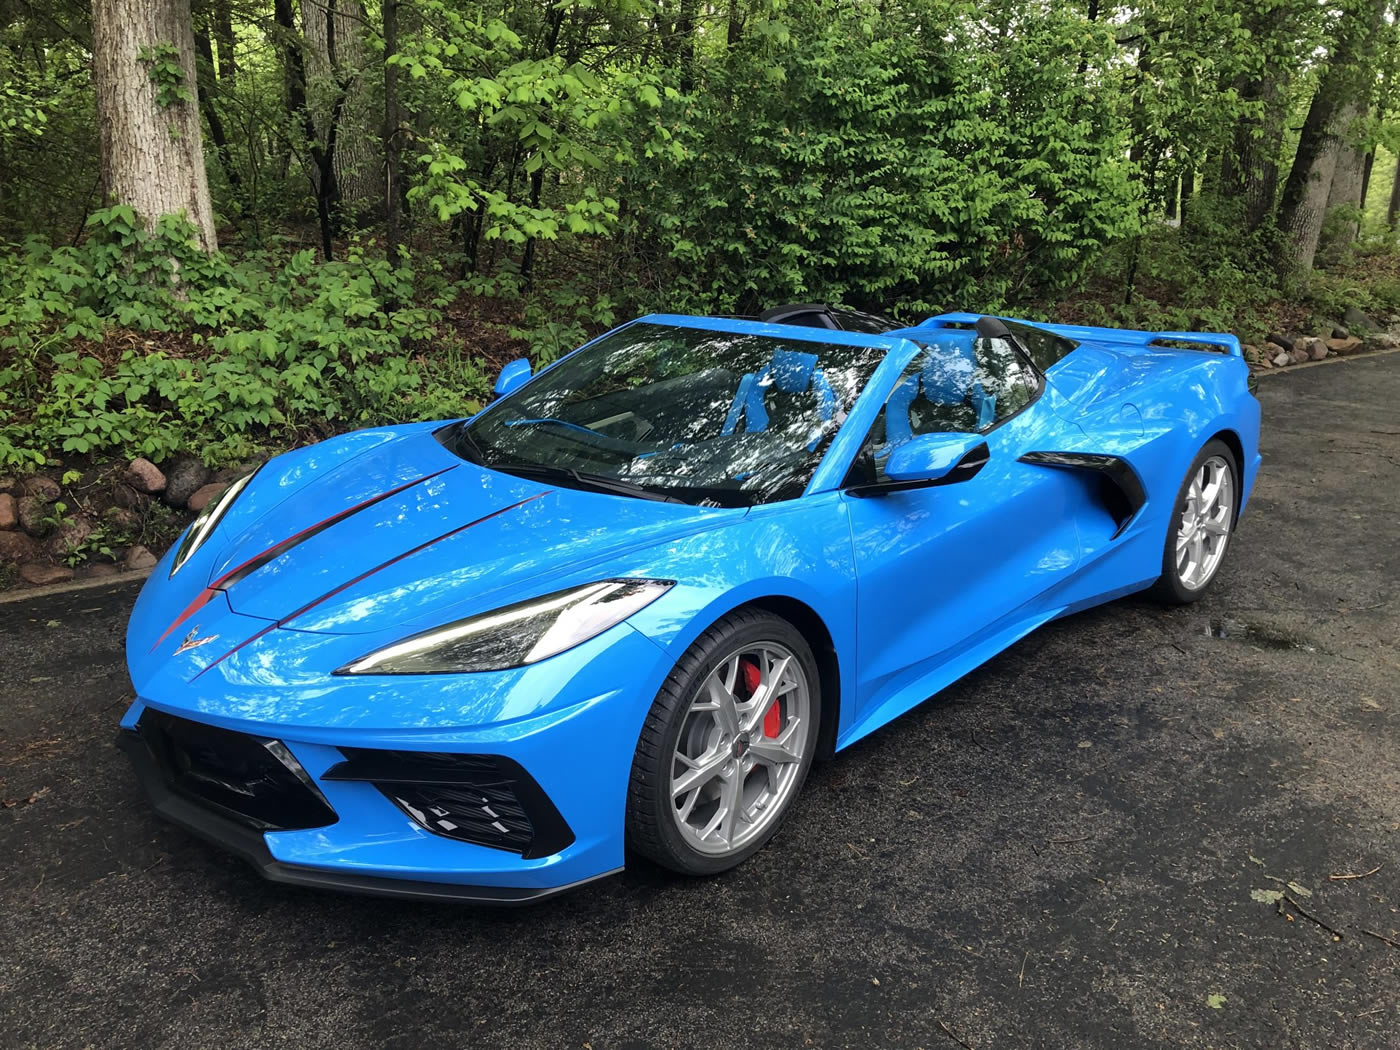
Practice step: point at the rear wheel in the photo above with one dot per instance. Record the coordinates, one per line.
(726, 746)
(1207, 505)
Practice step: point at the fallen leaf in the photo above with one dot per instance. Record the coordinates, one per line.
(1215, 1000)
(1302, 891)
(11, 803)
(1086, 743)
(1266, 896)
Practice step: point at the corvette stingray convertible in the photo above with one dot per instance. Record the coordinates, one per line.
(620, 611)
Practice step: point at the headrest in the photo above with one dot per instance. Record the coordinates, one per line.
(948, 376)
(792, 370)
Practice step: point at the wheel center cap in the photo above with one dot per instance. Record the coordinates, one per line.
(741, 745)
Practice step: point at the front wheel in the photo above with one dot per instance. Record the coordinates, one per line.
(726, 746)
(1208, 504)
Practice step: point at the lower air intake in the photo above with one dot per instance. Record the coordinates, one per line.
(254, 780)
(488, 800)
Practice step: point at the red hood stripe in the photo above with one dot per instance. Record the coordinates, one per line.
(253, 564)
(366, 575)
(256, 562)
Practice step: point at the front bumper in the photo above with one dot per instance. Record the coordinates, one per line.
(570, 722)
(251, 845)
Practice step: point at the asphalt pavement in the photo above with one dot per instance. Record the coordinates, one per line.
(1126, 832)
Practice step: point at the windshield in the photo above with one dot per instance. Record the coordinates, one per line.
(707, 417)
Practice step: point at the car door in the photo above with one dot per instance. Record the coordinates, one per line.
(941, 570)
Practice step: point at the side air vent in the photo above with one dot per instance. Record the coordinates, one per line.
(1120, 488)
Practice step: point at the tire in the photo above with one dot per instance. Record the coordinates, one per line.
(1189, 570)
(699, 759)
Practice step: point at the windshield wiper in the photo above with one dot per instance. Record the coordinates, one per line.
(584, 480)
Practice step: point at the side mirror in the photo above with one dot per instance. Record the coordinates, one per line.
(513, 375)
(936, 459)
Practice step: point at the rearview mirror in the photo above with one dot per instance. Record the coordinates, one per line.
(513, 375)
(937, 459)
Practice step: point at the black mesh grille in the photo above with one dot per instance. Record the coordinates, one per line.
(254, 780)
(485, 799)
(490, 816)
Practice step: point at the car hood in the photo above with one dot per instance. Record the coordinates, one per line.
(407, 534)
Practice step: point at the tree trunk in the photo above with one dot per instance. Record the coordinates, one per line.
(223, 35)
(1392, 213)
(337, 67)
(1366, 166)
(1345, 88)
(204, 79)
(322, 154)
(393, 235)
(1345, 192)
(152, 153)
(1251, 175)
(1310, 182)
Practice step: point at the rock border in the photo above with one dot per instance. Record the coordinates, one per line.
(1337, 360)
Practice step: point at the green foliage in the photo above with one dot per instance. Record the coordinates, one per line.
(163, 66)
(264, 350)
(872, 163)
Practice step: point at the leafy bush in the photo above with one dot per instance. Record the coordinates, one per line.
(865, 159)
(138, 343)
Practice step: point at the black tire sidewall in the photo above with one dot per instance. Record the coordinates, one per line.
(1169, 587)
(651, 830)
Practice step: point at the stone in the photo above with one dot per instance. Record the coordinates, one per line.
(1384, 341)
(1282, 359)
(1251, 352)
(41, 574)
(98, 570)
(1356, 318)
(1344, 346)
(122, 518)
(139, 558)
(145, 476)
(1272, 350)
(9, 484)
(1300, 356)
(201, 498)
(9, 513)
(42, 488)
(1340, 332)
(1317, 349)
(185, 477)
(16, 546)
(124, 495)
(34, 517)
(71, 535)
(1286, 342)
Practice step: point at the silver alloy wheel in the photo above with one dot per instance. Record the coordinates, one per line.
(740, 749)
(1206, 518)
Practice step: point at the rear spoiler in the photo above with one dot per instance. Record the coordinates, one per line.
(1121, 336)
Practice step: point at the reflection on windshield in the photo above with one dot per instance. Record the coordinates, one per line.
(719, 418)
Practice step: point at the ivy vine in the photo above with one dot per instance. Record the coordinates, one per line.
(163, 67)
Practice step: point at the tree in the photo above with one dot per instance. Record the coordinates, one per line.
(1343, 91)
(393, 168)
(143, 65)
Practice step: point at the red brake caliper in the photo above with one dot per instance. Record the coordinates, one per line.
(773, 718)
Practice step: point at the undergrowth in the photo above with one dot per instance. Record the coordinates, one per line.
(137, 343)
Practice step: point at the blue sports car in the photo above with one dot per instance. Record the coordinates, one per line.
(622, 610)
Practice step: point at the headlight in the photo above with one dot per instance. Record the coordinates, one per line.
(519, 634)
(208, 520)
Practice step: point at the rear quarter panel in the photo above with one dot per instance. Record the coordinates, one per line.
(1156, 408)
